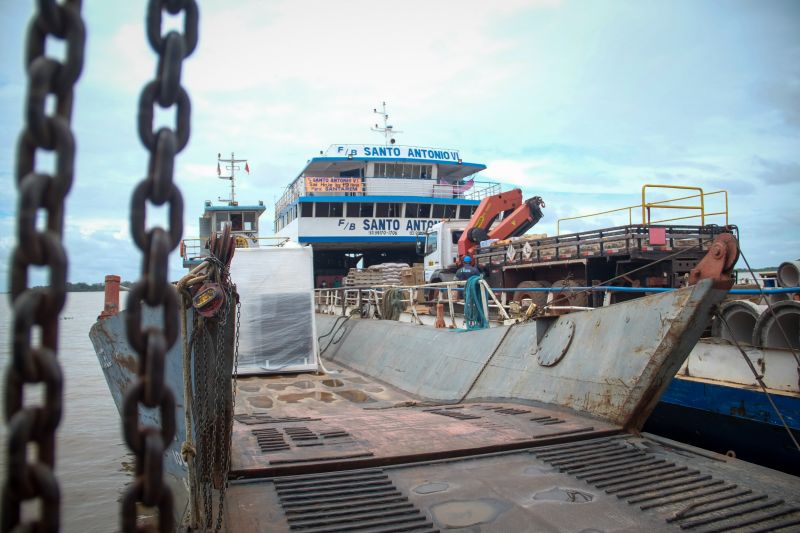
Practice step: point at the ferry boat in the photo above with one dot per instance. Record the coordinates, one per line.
(365, 203)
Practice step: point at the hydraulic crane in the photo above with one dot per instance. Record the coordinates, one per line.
(517, 217)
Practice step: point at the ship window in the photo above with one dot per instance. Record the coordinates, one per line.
(222, 218)
(450, 211)
(249, 221)
(438, 211)
(329, 209)
(359, 209)
(307, 209)
(418, 211)
(387, 210)
(236, 221)
(465, 211)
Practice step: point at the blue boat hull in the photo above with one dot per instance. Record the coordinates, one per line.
(733, 418)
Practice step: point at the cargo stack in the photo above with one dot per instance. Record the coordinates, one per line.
(382, 274)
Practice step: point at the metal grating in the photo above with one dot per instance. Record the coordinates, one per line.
(683, 496)
(302, 436)
(507, 410)
(361, 500)
(252, 420)
(547, 420)
(452, 414)
(270, 440)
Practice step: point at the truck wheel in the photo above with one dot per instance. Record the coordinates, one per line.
(537, 297)
(580, 299)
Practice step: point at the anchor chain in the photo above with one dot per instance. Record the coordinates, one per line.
(33, 478)
(152, 343)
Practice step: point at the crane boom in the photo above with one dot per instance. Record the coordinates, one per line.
(517, 218)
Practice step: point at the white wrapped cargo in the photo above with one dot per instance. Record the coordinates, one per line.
(276, 288)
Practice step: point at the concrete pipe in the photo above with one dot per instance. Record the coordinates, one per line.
(537, 297)
(779, 297)
(771, 326)
(789, 274)
(741, 316)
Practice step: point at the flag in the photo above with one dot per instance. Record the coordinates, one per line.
(464, 187)
(247, 167)
(219, 172)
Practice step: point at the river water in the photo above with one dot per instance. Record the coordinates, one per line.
(93, 465)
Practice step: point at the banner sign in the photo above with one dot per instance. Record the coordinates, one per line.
(321, 184)
(394, 152)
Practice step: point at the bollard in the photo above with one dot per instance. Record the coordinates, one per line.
(111, 306)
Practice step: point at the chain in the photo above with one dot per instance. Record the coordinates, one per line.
(149, 443)
(31, 476)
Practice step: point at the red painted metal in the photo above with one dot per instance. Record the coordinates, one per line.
(111, 305)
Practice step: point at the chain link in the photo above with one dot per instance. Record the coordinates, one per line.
(152, 343)
(31, 476)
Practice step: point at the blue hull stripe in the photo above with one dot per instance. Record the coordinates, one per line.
(738, 402)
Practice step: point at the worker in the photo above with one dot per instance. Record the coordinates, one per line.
(467, 270)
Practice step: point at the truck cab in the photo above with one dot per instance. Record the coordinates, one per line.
(439, 246)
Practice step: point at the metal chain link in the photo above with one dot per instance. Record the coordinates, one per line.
(39, 309)
(152, 343)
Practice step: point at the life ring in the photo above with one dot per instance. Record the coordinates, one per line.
(241, 242)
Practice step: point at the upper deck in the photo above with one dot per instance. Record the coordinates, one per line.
(384, 187)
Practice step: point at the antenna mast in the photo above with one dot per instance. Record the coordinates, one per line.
(387, 129)
(230, 164)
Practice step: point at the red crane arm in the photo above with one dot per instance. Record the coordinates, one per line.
(487, 211)
(518, 217)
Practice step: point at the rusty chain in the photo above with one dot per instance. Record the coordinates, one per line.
(152, 343)
(37, 309)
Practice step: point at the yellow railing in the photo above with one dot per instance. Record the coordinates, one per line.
(646, 207)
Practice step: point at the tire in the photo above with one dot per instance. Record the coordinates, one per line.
(580, 299)
(537, 297)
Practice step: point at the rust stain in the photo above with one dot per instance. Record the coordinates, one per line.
(127, 362)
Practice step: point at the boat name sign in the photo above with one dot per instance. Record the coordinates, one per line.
(401, 152)
(366, 227)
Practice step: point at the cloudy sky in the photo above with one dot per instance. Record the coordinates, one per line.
(579, 102)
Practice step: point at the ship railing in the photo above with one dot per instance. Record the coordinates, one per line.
(501, 307)
(195, 248)
(406, 187)
(697, 209)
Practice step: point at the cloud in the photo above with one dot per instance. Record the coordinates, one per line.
(778, 173)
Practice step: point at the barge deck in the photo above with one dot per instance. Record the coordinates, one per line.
(344, 452)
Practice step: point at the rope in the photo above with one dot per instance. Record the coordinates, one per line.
(759, 379)
(474, 305)
(338, 325)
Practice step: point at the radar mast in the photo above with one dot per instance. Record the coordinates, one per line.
(387, 130)
(231, 165)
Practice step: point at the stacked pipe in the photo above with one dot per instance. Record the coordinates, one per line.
(773, 326)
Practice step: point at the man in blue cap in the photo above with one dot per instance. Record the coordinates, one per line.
(467, 270)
